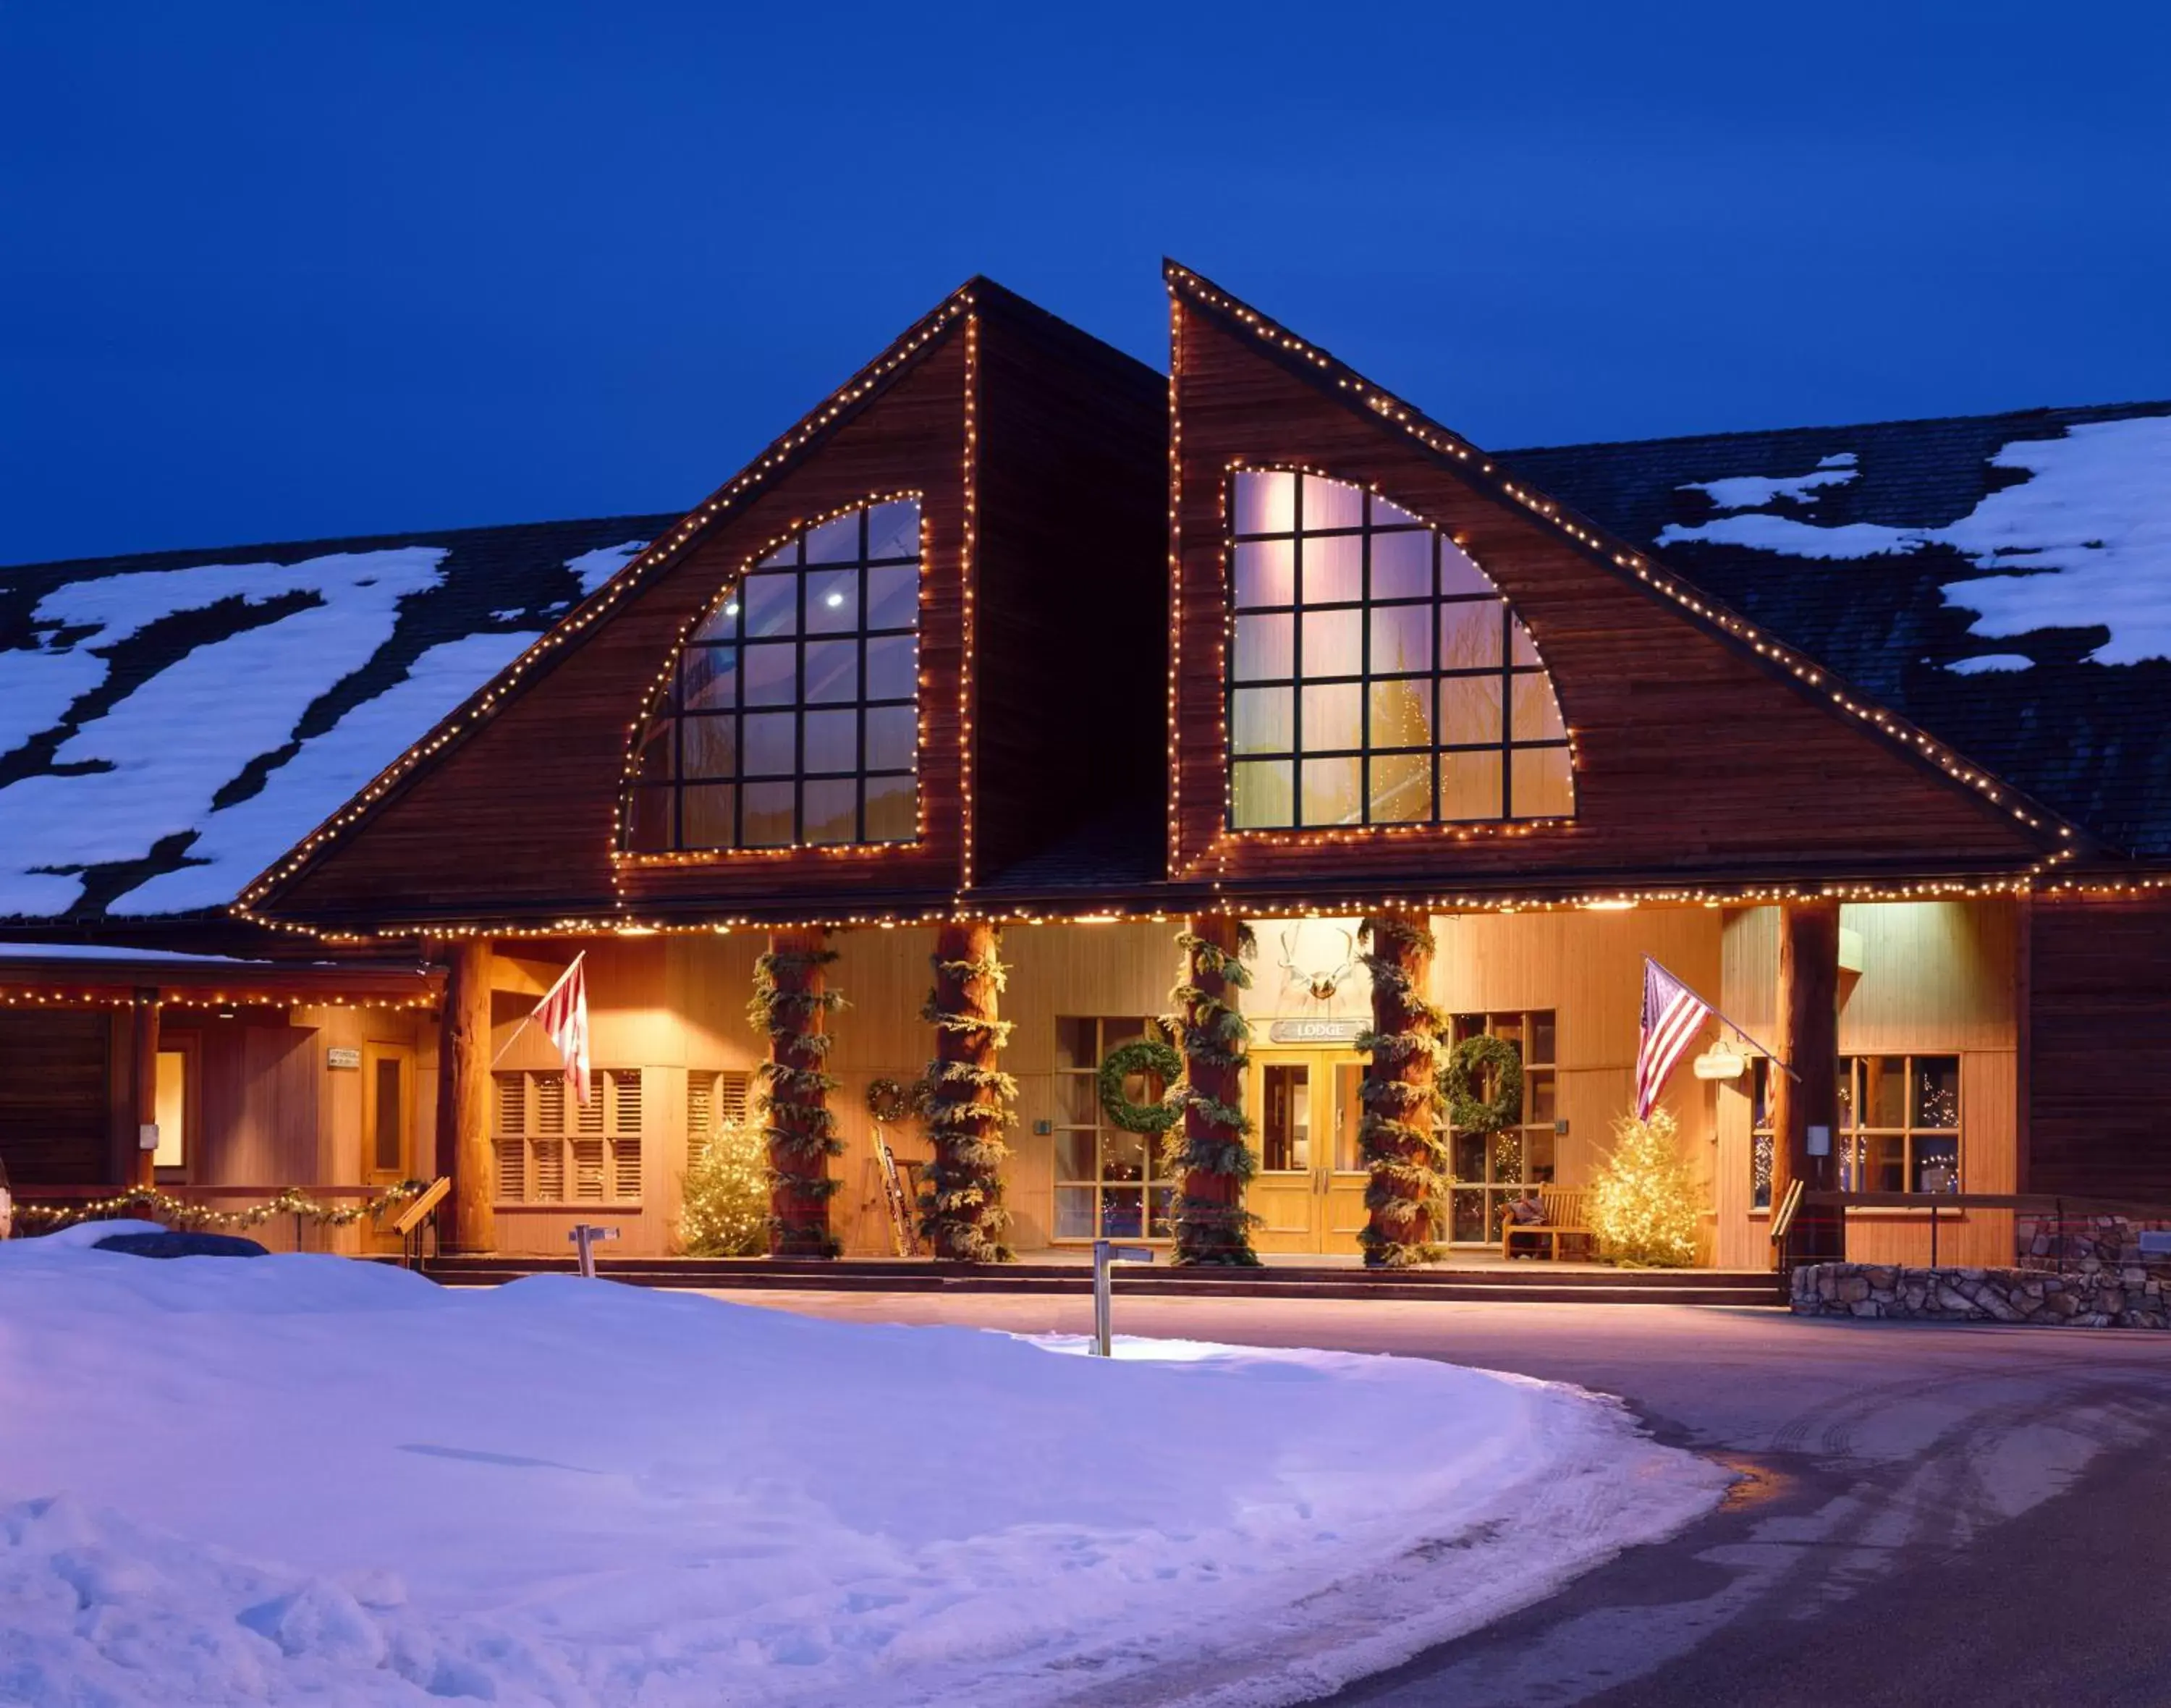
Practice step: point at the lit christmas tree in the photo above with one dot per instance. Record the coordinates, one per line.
(725, 1210)
(1643, 1205)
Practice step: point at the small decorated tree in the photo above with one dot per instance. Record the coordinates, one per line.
(726, 1209)
(1642, 1203)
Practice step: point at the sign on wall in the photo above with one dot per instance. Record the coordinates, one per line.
(1320, 1031)
(342, 1056)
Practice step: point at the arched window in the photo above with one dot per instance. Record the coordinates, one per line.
(1376, 675)
(792, 714)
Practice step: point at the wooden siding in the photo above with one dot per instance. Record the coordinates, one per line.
(2099, 1020)
(56, 1121)
(1937, 977)
(536, 787)
(1071, 664)
(1693, 761)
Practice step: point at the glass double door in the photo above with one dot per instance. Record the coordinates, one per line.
(1309, 1192)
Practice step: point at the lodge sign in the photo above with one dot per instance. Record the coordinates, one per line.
(1317, 1031)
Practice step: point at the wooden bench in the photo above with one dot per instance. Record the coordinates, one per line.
(1564, 1214)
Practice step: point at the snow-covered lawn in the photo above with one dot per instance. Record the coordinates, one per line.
(293, 1478)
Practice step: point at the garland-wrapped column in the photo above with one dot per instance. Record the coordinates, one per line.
(1400, 1096)
(968, 1098)
(1212, 1159)
(792, 1004)
(463, 1088)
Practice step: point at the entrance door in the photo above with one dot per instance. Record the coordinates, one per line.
(388, 1127)
(1309, 1192)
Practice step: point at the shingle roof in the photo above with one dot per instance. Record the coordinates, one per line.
(171, 722)
(2004, 581)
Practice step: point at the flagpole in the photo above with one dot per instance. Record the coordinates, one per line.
(552, 991)
(1771, 1056)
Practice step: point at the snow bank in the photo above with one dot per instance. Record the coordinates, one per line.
(299, 1476)
(2086, 538)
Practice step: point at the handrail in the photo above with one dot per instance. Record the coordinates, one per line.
(412, 1217)
(1790, 1205)
(2057, 1203)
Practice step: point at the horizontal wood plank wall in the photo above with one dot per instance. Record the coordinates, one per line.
(54, 1112)
(1588, 968)
(2100, 1117)
(1692, 760)
(1071, 656)
(1937, 977)
(521, 815)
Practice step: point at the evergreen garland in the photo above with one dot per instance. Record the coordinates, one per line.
(1398, 1135)
(1212, 1228)
(799, 1130)
(178, 1213)
(968, 1105)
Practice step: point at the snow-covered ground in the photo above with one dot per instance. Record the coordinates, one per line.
(297, 1478)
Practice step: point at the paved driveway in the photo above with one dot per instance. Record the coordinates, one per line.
(1929, 1515)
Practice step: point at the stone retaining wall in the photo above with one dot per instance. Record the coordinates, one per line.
(2130, 1297)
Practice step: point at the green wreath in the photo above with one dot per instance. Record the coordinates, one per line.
(1143, 1056)
(890, 1101)
(1467, 1064)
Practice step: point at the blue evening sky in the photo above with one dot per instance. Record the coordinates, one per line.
(309, 268)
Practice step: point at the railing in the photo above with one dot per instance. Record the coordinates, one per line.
(97, 1202)
(420, 1218)
(2067, 1216)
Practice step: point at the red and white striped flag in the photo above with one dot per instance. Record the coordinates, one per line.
(1673, 1015)
(563, 1014)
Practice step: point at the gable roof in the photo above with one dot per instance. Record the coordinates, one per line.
(2004, 580)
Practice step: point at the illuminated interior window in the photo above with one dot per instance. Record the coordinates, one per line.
(1376, 676)
(793, 713)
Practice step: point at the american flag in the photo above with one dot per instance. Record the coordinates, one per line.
(563, 1014)
(1673, 1015)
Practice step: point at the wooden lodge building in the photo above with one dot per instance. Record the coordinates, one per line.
(1016, 650)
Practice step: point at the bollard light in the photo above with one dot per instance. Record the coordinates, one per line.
(1105, 1254)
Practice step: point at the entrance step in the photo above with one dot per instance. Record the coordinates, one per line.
(1532, 1284)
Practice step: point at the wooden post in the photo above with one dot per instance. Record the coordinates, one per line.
(143, 1169)
(1400, 1096)
(1809, 1043)
(1211, 1224)
(463, 1151)
(962, 1197)
(794, 994)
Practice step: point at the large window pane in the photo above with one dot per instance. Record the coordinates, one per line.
(892, 738)
(1265, 650)
(1333, 643)
(1261, 794)
(772, 604)
(1544, 788)
(1331, 791)
(1536, 713)
(712, 746)
(1333, 718)
(1470, 786)
(1469, 709)
(1402, 713)
(804, 701)
(1332, 503)
(1261, 721)
(1401, 790)
(1266, 502)
(1266, 573)
(1399, 645)
(1936, 1091)
(1334, 570)
(832, 602)
(1402, 565)
(892, 809)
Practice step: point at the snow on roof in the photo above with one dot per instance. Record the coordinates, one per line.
(169, 726)
(2085, 534)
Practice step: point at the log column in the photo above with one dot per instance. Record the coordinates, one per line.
(792, 1001)
(1809, 1043)
(1212, 1225)
(1400, 1096)
(464, 1091)
(961, 1200)
(142, 1166)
